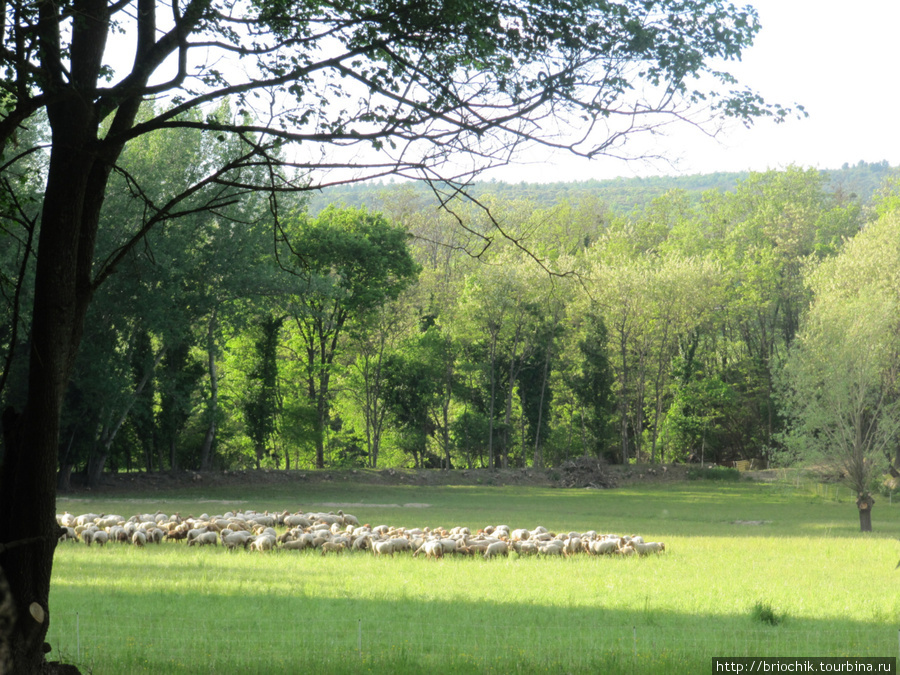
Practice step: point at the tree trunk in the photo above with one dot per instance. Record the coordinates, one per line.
(62, 291)
(173, 458)
(321, 422)
(206, 448)
(96, 463)
(864, 503)
(538, 453)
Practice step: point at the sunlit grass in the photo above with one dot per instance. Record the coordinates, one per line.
(184, 610)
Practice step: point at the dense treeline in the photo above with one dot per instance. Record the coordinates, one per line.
(497, 332)
(621, 195)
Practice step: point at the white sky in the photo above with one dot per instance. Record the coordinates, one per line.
(839, 59)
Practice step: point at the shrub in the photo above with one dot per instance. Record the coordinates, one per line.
(764, 613)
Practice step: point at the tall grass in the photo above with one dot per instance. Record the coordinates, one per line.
(180, 610)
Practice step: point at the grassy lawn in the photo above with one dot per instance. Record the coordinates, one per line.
(751, 570)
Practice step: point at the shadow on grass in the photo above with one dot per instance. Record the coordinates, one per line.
(263, 633)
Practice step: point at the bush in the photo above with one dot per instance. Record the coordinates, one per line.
(765, 613)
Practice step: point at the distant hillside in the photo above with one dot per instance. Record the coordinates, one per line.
(620, 194)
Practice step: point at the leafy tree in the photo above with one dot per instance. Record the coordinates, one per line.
(842, 381)
(775, 221)
(348, 263)
(413, 385)
(374, 340)
(414, 84)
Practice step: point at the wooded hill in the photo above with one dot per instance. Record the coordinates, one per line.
(622, 195)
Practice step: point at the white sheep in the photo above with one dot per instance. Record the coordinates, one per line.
(332, 547)
(604, 546)
(495, 549)
(431, 548)
(235, 539)
(263, 542)
(205, 539)
(68, 533)
(648, 548)
(295, 545)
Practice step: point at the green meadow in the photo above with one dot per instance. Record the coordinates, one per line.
(751, 569)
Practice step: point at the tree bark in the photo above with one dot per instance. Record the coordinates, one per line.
(61, 296)
(206, 449)
(865, 502)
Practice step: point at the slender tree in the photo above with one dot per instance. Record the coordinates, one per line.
(842, 382)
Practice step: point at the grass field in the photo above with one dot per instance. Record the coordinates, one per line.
(751, 569)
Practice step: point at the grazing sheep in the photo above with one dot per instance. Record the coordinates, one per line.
(87, 534)
(332, 547)
(382, 547)
(431, 548)
(334, 533)
(520, 535)
(553, 547)
(648, 548)
(86, 519)
(604, 547)
(297, 520)
(262, 543)
(295, 545)
(235, 539)
(495, 549)
(525, 547)
(626, 550)
(205, 539)
(348, 519)
(572, 545)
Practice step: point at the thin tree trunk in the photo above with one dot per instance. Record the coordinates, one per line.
(213, 412)
(493, 397)
(538, 454)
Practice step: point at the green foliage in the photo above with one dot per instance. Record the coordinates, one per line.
(473, 358)
(261, 403)
(593, 385)
(840, 384)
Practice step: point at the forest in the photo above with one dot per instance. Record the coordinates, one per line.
(417, 329)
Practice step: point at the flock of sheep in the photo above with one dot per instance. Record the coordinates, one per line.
(338, 532)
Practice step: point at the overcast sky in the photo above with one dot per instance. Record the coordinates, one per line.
(839, 59)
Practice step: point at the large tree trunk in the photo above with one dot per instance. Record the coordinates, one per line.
(28, 475)
(864, 503)
(76, 185)
(96, 464)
